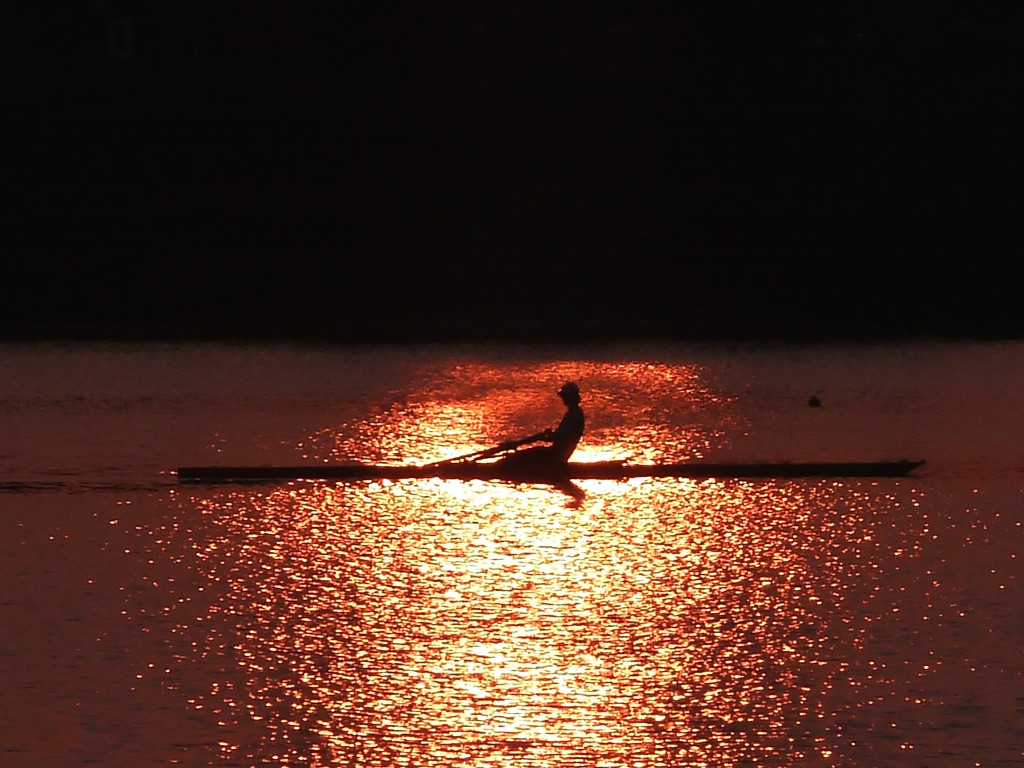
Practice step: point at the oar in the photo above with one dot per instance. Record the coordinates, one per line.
(486, 453)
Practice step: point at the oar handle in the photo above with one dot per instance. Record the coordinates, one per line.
(512, 445)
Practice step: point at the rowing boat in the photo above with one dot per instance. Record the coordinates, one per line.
(597, 470)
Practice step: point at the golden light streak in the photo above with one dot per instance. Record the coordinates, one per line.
(650, 622)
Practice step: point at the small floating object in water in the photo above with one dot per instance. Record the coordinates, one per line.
(814, 402)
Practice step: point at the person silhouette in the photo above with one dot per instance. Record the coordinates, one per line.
(553, 458)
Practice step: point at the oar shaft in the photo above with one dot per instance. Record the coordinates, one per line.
(488, 452)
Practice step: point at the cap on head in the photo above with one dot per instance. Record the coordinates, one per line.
(570, 391)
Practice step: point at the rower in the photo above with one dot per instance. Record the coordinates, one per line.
(562, 440)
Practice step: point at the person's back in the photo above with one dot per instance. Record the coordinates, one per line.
(563, 439)
(567, 434)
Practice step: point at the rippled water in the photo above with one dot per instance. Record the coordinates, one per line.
(658, 622)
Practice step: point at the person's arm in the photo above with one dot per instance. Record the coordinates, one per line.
(552, 435)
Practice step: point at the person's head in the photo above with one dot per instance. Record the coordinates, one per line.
(569, 393)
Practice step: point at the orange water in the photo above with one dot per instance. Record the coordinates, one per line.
(419, 623)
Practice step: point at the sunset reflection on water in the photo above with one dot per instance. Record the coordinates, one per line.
(429, 622)
(641, 411)
(418, 622)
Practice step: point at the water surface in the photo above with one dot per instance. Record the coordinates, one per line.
(667, 622)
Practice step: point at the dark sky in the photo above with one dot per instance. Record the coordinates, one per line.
(556, 169)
